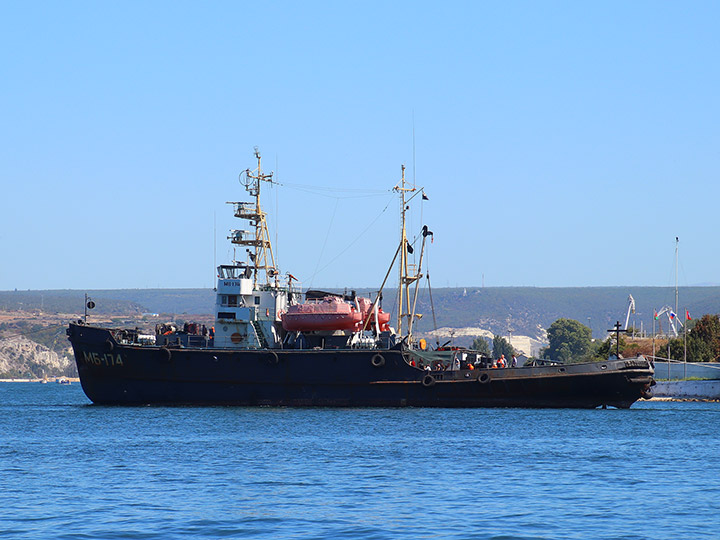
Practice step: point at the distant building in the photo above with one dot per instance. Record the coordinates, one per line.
(526, 345)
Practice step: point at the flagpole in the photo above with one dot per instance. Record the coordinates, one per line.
(687, 318)
(677, 242)
(654, 319)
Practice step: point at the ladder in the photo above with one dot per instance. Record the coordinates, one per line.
(259, 334)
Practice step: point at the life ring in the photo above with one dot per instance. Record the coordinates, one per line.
(484, 378)
(109, 345)
(273, 358)
(378, 360)
(428, 381)
(166, 354)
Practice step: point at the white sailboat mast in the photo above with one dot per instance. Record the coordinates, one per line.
(677, 242)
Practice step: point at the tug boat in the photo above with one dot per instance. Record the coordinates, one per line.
(270, 348)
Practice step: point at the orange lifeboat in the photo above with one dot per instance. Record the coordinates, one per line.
(366, 307)
(332, 313)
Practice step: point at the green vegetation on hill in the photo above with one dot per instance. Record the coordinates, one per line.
(502, 347)
(54, 336)
(703, 341)
(568, 340)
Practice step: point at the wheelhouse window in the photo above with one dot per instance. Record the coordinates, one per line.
(257, 300)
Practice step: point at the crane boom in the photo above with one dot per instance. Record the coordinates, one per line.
(631, 307)
(672, 318)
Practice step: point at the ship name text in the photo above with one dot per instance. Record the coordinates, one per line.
(106, 359)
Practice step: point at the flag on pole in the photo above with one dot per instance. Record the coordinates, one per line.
(672, 315)
(687, 315)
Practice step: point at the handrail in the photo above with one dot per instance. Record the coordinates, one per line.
(672, 360)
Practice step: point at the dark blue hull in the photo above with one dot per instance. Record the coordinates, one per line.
(114, 373)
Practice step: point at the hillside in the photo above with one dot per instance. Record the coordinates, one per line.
(523, 309)
(70, 301)
(500, 310)
(23, 358)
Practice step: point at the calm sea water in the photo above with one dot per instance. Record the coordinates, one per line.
(72, 470)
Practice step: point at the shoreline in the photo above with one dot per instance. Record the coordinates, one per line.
(49, 380)
(704, 400)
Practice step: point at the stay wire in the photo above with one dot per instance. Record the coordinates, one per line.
(358, 237)
(330, 192)
(427, 275)
(327, 235)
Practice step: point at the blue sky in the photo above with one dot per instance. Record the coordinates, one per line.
(560, 143)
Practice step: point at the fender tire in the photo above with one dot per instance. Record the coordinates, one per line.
(109, 345)
(165, 354)
(378, 360)
(484, 378)
(647, 394)
(273, 358)
(428, 381)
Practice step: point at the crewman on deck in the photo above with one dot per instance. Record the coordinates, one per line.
(501, 361)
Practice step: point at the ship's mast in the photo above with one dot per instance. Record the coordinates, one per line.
(262, 258)
(406, 308)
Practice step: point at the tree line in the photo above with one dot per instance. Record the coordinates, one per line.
(571, 341)
(500, 346)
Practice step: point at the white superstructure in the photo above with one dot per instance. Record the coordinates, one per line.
(251, 295)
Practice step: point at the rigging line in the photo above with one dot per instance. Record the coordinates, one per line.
(393, 308)
(213, 283)
(415, 239)
(362, 233)
(682, 275)
(413, 126)
(671, 286)
(422, 201)
(277, 217)
(330, 196)
(427, 275)
(322, 251)
(330, 188)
